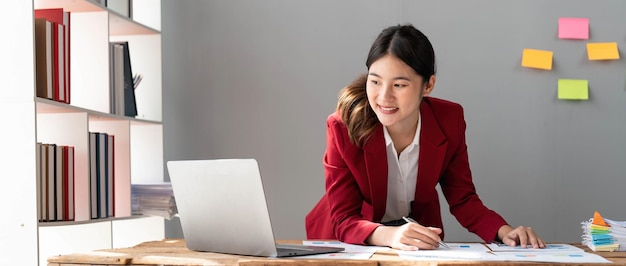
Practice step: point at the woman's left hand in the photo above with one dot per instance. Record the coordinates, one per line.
(521, 235)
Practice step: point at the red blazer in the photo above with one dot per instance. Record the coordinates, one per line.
(356, 180)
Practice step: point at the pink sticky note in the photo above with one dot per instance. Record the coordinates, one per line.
(574, 28)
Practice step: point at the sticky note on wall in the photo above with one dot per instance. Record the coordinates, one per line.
(573, 89)
(574, 28)
(537, 59)
(602, 51)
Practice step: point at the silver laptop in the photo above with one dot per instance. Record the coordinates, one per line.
(222, 208)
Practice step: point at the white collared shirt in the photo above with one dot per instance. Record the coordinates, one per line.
(402, 176)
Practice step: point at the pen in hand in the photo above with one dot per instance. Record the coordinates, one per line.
(410, 220)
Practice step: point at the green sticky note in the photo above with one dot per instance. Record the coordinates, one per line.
(573, 89)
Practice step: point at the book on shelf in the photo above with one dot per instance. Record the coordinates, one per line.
(59, 62)
(44, 58)
(110, 176)
(116, 78)
(58, 183)
(101, 175)
(69, 199)
(55, 182)
(59, 39)
(93, 175)
(50, 181)
(64, 183)
(122, 90)
(38, 168)
(43, 193)
(130, 106)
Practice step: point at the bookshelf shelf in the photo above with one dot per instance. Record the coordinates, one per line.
(120, 25)
(70, 5)
(103, 220)
(47, 106)
(29, 120)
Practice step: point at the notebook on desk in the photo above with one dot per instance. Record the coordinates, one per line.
(222, 208)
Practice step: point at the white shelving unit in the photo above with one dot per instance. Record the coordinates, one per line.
(28, 119)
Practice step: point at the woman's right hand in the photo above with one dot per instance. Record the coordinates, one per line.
(410, 236)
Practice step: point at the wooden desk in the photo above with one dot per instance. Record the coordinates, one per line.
(174, 252)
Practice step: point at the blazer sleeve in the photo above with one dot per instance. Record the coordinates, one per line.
(458, 187)
(344, 196)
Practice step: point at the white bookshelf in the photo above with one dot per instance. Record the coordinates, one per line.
(28, 119)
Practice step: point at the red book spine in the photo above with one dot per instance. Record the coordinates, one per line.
(113, 172)
(65, 184)
(55, 65)
(67, 58)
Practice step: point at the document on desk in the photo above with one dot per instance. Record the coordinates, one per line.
(352, 252)
(550, 248)
(563, 256)
(551, 253)
(493, 252)
(457, 251)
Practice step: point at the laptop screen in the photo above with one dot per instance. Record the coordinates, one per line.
(222, 206)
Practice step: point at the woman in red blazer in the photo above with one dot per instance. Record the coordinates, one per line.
(389, 145)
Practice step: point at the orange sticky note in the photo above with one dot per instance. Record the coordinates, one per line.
(537, 59)
(598, 220)
(574, 28)
(602, 51)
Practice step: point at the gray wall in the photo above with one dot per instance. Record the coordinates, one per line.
(247, 78)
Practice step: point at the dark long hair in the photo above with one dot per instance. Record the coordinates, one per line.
(407, 44)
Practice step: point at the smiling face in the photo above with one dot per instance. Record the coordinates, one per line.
(395, 93)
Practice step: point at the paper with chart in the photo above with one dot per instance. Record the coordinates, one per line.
(457, 251)
(562, 256)
(498, 247)
(352, 252)
(464, 252)
(551, 253)
(495, 252)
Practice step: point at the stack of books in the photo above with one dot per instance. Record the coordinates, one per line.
(52, 54)
(601, 234)
(154, 200)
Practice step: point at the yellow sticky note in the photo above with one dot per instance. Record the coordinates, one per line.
(602, 51)
(573, 89)
(537, 59)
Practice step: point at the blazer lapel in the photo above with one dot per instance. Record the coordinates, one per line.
(376, 165)
(433, 145)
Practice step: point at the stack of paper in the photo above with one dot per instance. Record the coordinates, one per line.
(153, 199)
(601, 234)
